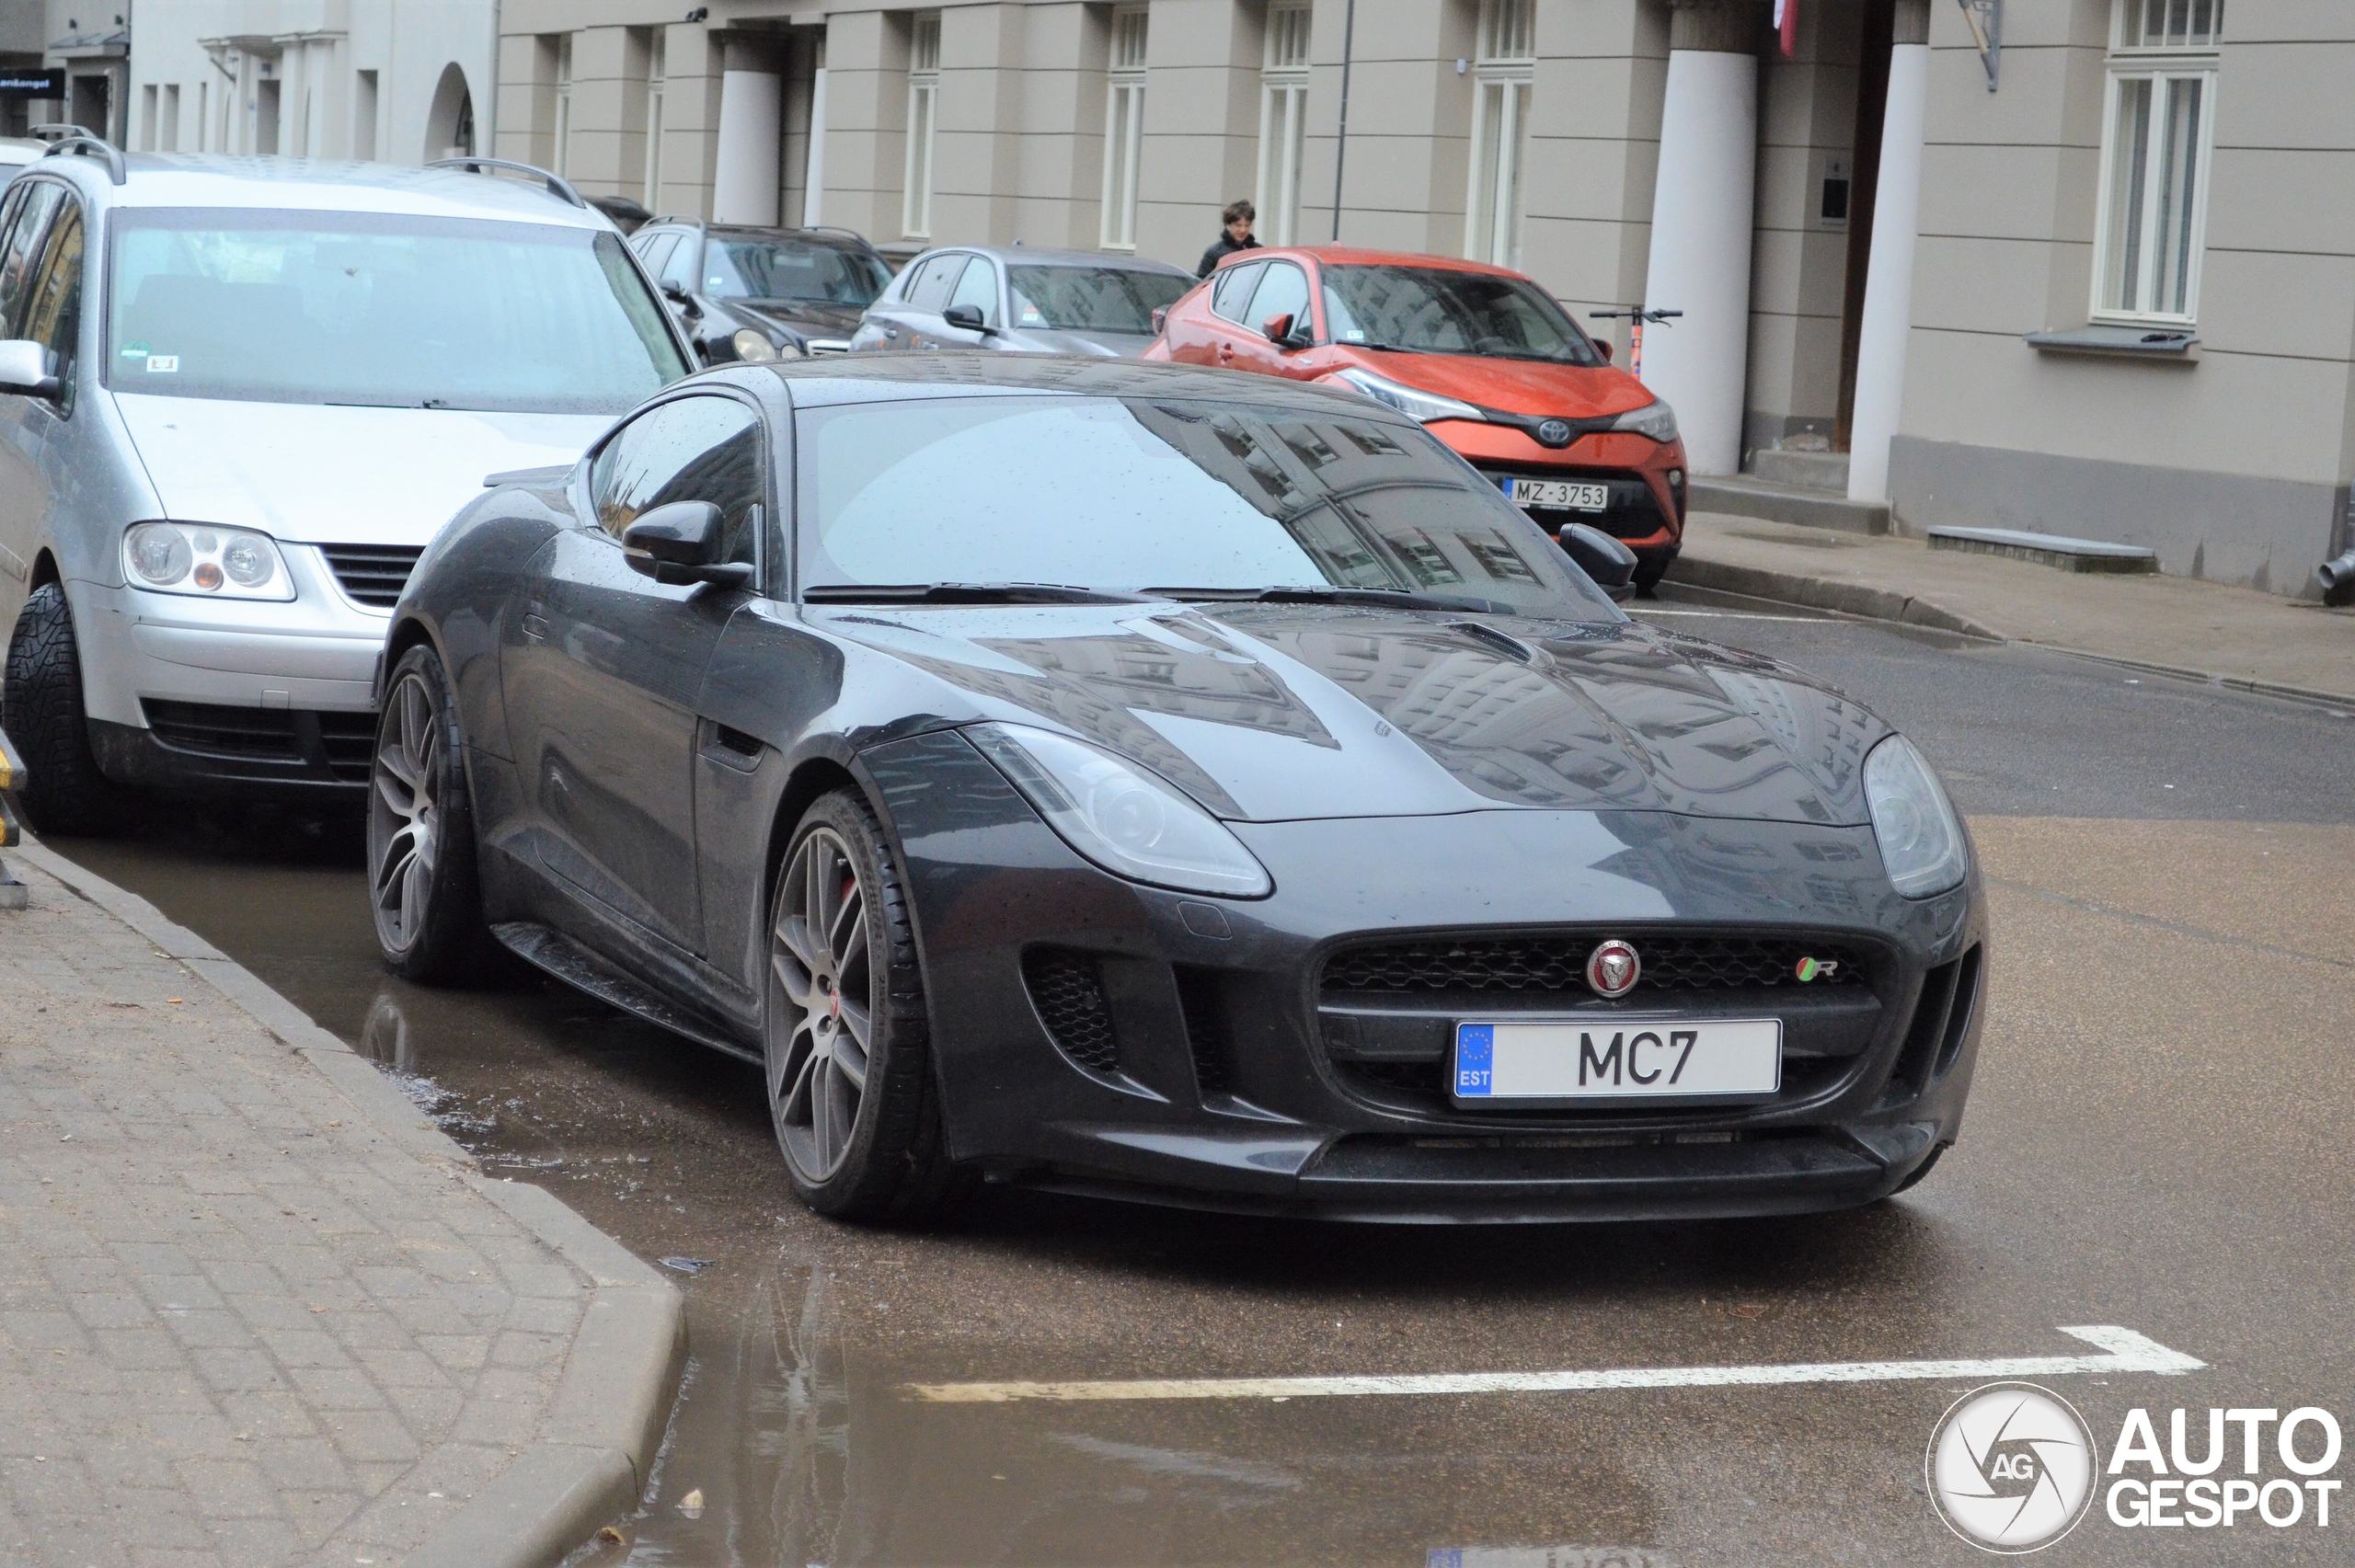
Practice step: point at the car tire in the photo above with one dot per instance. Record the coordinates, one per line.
(847, 1036)
(424, 891)
(40, 706)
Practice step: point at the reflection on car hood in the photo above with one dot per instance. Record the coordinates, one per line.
(315, 475)
(805, 318)
(1286, 712)
(1104, 345)
(1516, 386)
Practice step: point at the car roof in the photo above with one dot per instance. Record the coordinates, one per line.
(1353, 255)
(232, 180)
(841, 239)
(1026, 256)
(876, 378)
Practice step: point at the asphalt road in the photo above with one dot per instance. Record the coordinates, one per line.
(2159, 1139)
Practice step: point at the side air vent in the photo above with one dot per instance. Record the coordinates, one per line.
(1069, 996)
(1206, 1032)
(1966, 1002)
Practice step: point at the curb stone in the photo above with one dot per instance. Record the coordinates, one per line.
(1885, 604)
(598, 1439)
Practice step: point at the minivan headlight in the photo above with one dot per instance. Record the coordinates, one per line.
(1125, 819)
(1655, 419)
(1920, 841)
(208, 562)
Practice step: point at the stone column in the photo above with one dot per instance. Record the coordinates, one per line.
(1702, 200)
(752, 108)
(1888, 271)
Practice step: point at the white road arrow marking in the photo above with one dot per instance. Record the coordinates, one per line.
(2122, 1350)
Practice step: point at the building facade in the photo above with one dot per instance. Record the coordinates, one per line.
(2074, 266)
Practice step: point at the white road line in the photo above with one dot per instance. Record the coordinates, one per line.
(1727, 614)
(2122, 1350)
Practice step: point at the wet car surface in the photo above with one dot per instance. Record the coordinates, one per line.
(2218, 1236)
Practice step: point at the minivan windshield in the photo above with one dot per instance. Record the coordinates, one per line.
(791, 269)
(1162, 495)
(1092, 299)
(1440, 310)
(387, 309)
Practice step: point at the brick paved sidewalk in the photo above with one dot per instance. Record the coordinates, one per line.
(252, 1310)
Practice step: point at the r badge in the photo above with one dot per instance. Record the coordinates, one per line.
(1611, 968)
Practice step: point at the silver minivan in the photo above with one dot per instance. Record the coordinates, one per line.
(238, 395)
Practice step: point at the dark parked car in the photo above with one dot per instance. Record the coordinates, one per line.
(1133, 780)
(759, 294)
(1015, 300)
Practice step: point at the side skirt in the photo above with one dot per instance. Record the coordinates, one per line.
(554, 954)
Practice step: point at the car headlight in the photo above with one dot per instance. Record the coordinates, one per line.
(1126, 819)
(1422, 406)
(198, 558)
(1920, 841)
(1655, 419)
(753, 347)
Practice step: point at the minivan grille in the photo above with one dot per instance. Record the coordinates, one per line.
(218, 730)
(373, 574)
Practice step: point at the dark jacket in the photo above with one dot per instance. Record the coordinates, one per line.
(1221, 251)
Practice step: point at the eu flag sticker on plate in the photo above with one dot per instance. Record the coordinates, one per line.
(1476, 1046)
(156, 362)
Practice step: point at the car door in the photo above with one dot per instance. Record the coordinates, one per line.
(1230, 289)
(977, 286)
(1282, 290)
(602, 680)
(927, 296)
(41, 261)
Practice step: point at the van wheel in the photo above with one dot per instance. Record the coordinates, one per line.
(40, 706)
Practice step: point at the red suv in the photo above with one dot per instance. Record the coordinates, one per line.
(1483, 356)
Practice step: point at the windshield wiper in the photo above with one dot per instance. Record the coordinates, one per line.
(1387, 598)
(961, 593)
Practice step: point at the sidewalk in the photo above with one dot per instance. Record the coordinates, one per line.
(255, 1308)
(2176, 624)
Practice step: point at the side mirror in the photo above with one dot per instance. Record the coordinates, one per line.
(1610, 564)
(967, 318)
(676, 544)
(680, 298)
(1160, 319)
(1286, 331)
(1602, 347)
(24, 369)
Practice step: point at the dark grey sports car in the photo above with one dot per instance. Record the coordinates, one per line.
(1150, 781)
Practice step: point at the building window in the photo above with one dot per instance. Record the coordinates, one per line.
(1508, 60)
(924, 105)
(1284, 106)
(1123, 127)
(657, 65)
(2159, 120)
(561, 153)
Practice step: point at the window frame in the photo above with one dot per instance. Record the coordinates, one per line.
(1124, 84)
(924, 124)
(2163, 66)
(1284, 120)
(1493, 200)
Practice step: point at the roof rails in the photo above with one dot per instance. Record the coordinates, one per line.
(557, 185)
(73, 138)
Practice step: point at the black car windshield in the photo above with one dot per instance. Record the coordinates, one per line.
(381, 309)
(1440, 310)
(1092, 299)
(806, 270)
(1132, 494)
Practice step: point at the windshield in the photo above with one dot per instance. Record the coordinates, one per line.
(386, 310)
(790, 269)
(1129, 494)
(1092, 299)
(1435, 310)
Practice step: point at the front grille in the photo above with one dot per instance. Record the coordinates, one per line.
(218, 731)
(373, 574)
(1069, 996)
(1558, 964)
(350, 741)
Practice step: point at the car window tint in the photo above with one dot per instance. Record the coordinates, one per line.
(930, 290)
(1283, 291)
(681, 268)
(36, 202)
(1233, 291)
(697, 449)
(978, 288)
(760, 269)
(53, 304)
(1445, 310)
(654, 250)
(1093, 299)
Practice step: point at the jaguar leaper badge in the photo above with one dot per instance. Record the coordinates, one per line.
(1816, 969)
(1611, 968)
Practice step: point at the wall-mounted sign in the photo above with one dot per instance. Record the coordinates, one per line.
(1985, 20)
(19, 82)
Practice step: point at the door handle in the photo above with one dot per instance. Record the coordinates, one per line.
(1225, 352)
(535, 625)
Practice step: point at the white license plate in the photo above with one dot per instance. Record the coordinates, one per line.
(1624, 1060)
(1558, 493)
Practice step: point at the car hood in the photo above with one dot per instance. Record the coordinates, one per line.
(1516, 386)
(1277, 713)
(1103, 345)
(315, 475)
(803, 318)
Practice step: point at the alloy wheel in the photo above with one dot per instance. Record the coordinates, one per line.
(408, 772)
(819, 953)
